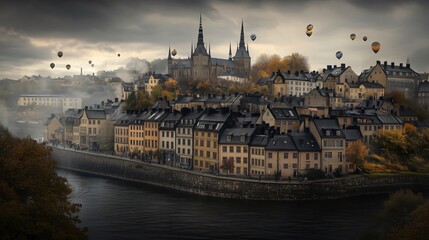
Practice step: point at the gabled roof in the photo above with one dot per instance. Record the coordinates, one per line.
(181, 63)
(215, 117)
(170, 121)
(388, 118)
(305, 141)
(281, 143)
(352, 134)
(328, 128)
(259, 140)
(222, 62)
(95, 114)
(237, 135)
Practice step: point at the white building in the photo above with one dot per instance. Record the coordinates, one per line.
(59, 102)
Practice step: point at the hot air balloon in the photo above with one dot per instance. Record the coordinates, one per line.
(119, 54)
(253, 37)
(52, 65)
(375, 47)
(174, 52)
(339, 54)
(60, 54)
(92, 65)
(309, 27)
(309, 33)
(365, 38)
(89, 62)
(353, 36)
(68, 66)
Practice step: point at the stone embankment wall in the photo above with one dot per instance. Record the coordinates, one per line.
(218, 186)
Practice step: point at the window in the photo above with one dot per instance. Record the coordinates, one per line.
(270, 155)
(270, 165)
(214, 144)
(245, 160)
(245, 149)
(316, 156)
(231, 149)
(224, 149)
(208, 154)
(214, 155)
(238, 170)
(328, 154)
(295, 155)
(208, 143)
(196, 163)
(201, 143)
(307, 156)
(286, 155)
(238, 149)
(285, 166)
(238, 159)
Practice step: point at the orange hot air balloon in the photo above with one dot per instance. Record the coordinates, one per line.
(309, 33)
(375, 47)
(52, 65)
(68, 66)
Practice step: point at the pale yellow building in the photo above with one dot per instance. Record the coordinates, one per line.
(257, 155)
(281, 157)
(284, 119)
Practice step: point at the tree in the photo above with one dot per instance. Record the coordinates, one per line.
(34, 200)
(265, 65)
(393, 145)
(297, 62)
(143, 100)
(356, 153)
(228, 165)
(156, 92)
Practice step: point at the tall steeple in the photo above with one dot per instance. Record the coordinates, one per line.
(192, 48)
(200, 49)
(169, 52)
(200, 33)
(210, 53)
(242, 44)
(230, 52)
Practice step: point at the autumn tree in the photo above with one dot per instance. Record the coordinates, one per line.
(393, 145)
(228, 165)
(265, 64)
(356, 153)
(34, 200)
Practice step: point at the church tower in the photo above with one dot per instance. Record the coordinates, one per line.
(242, 57)
(200, 58)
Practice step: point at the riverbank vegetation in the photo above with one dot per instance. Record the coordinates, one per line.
(34, 200)
(394, 151)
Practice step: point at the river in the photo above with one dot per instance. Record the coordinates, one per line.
(120, 209)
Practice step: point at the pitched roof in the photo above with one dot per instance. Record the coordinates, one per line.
(95, 114)
(222, 62)
(237, 135)
(259, 140)
(388, 118)
(281, 143)
(328, 127)
(305, 141)
(352, 134)
(284, 113)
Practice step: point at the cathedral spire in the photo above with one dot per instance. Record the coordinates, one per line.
(192, 48)
(200, 33)
(242, 44)
(230, 52)
(209, 50)
(169, 52)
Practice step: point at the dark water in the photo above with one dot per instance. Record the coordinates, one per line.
(118, 209)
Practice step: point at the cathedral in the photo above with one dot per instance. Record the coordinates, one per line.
(202, 66)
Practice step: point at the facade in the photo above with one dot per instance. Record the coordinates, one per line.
(334, 75)
(294, 84)
(284, 119)
(151, 134)
(234, 150)
(359, 91)
(331, 139)
(185, 136)
(202, 66)
(53, 130)
(281, 157)
(401, 79)
(257, 155)
(206, 139)
(95, 130)
(167, 138)
(151, 82)
(121, 138)
(423, 95)
(136, 134)
(374, 74)
(308, 151)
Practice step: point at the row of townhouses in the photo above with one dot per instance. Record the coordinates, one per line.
(236, 134)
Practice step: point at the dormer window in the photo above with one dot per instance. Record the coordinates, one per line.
(228, 138)
(328, 133)
(338, 133)
(243, 138)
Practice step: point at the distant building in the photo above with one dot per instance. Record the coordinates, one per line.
(57, 103)
(423, 95)
(202, 66)
(293, 84)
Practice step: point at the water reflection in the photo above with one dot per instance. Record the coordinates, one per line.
(118, 209)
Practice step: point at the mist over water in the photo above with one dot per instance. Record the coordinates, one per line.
(118, 209)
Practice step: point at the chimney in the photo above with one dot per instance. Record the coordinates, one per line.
(401, 65)
(324, 70)
(288, 72)
(116, 99)
(329, 67)
(81, 71)
(335, 66)
(343, 66)
(392, 64)
(378, 62)
(86, 107)
(301, 71)
(408, 65)
(296, 73)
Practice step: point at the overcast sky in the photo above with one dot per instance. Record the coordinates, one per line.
(32, 32)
